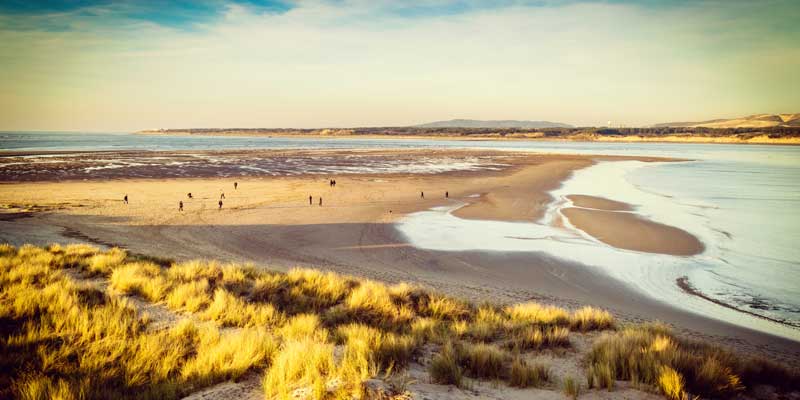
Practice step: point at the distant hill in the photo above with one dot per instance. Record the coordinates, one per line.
(474, 123)
(750, 121)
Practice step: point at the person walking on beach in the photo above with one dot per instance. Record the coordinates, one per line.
(320, 201)
(222, 195)
(125, 199)
(180, 205)
(220, 204)
(310, 202)
(446, 195)
(189, 195)
(422, 195)
(235, 185)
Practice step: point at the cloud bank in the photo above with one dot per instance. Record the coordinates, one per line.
(128, 66)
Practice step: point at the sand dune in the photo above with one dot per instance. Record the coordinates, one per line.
(750, 121)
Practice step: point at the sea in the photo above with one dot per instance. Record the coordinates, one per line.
(741, 201)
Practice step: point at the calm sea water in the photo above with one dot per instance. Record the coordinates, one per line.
(742, 201)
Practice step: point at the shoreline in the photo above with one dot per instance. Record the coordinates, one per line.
(268, 221)
(684, 284)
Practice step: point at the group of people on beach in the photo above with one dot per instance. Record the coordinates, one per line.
(331, 182)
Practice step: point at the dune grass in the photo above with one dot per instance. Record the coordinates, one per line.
(62, 340)
(444, 367)
(535, 338)
(571, 387)
(651, 354)
(312, 332)
(524, 375)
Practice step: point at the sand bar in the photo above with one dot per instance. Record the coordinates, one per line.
(632, 232)
(599, 203)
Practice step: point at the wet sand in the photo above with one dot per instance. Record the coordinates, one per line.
(268, 221)
(632, 232)
(599, 203)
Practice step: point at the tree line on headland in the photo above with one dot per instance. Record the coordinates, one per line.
(775, 132)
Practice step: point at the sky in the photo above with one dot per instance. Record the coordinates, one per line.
(118, 66)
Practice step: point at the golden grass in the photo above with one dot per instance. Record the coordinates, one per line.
(535, 313)
(100, 263)
(140, 278)
(536, 337)
(191, 296)
(653, 355)
(303, 326)
(523, 375)
(63, 340)
(591, 318)
(384, 350)
(314, 333)
(228, 356)
(299, 365)
(444, 308)
(230, 310)
(670, 383)
(371, 302)
(484, 361)
(571, 387)
(488, 324)
(444, 368)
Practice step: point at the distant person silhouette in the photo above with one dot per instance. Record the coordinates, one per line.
(446, 195)
(189, 195)
(422, 195)
(220, 204)
(334, 183)
(330, 182)
(180, 205)
(235, 185)
(320, 201)
(222, 195)
(125, 199)
(310, 202)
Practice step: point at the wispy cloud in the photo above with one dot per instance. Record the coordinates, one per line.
(345, 63)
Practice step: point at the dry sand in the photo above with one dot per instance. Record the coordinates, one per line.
(268, 221)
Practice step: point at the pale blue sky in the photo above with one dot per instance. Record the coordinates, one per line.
(105, 65)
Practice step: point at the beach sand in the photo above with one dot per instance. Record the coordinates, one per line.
(599, 203)
(632, 232)
(268, 221)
